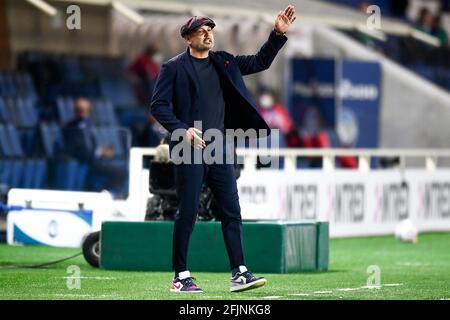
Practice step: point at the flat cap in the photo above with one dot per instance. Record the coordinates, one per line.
(194, 23)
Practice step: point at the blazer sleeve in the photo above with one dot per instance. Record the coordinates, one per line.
(249, 64)
(161, 106)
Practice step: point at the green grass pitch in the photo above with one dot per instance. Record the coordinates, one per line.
(407, 271)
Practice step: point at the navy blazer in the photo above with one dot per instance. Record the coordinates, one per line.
(173, 101)
(79, 141)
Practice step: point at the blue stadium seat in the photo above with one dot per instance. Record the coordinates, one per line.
(23, 172)
(117, 137)
(5, 171)
(29, 141)
(27, 115)
(17, 174)
(35, 172)
(6, 149)
(65, 109)
(8, 85)
(52, 139)
(72, 68)
(15, 142)
(3, 111)
(103, 113)
(118, 91)
(11, 113)
(70, 175)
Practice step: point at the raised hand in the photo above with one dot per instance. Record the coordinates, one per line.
(285, 18)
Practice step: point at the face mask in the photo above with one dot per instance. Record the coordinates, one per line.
(266, 101)
(158, 58)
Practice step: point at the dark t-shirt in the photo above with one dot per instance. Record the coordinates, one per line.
(210, 102)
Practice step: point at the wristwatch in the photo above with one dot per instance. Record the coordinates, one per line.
(278, 33)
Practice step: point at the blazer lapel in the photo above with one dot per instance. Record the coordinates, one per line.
(189, 67)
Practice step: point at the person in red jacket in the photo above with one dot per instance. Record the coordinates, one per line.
(146, 71)
(278, 117)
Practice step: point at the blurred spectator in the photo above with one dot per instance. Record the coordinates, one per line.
(413, 51)
(315, 136)
(153, 133)
(438, 30)
(424, 21)
(146, 69)
(81, 145)
(277, 117)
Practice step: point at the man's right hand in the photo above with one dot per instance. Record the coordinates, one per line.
(193, 137)
(107, 152)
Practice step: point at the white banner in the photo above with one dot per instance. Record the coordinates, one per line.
(355, 203)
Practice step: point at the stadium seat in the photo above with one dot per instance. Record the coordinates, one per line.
(6, 149)
(117, 137)
(34, 174)
(5, 172)
(70, 175)
(17, 174)
(119, 91)
(15, 143)
(3, 111)
(65, 109)
(27, 115)
(8, 85)
(11, 112)
(51, 138)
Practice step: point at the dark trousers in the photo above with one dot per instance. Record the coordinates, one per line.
(222, 181)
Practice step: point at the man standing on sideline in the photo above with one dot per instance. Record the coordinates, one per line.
(207, 86)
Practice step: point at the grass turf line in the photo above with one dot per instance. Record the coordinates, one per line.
(408, 271)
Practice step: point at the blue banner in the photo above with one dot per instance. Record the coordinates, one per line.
(338, 96)
(359, 104)
(311, 97)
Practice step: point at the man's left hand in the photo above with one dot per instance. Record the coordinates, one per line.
(285, 18)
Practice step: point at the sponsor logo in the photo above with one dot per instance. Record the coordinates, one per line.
(394, 202)
(349, 202)
(53, 229)
(346, 90)
(176, 285)
(437, 200)
(301, 200)
(253, 194)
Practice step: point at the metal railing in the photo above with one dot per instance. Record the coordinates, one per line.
(138, 177)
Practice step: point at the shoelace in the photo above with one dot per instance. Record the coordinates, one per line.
(248, 275)
(188, 282)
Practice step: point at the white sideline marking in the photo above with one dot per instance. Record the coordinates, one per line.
(371, 287)
(411, 264)
(392, 284)
(347, 289)
(83, 295)
(92, 278)
(272, 297)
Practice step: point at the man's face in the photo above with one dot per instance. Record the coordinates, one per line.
(83, 108)
(201, 39)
